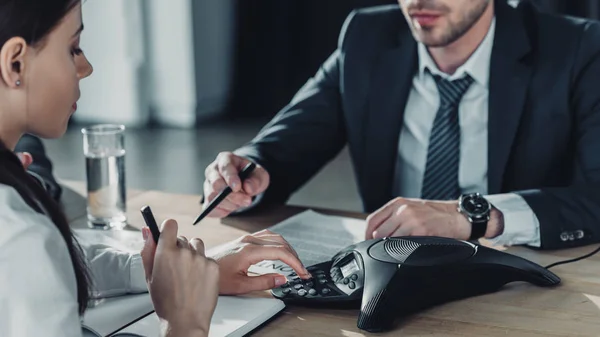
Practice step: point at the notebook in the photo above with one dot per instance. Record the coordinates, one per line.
(108, 316)
(133, 315)
(233, 317)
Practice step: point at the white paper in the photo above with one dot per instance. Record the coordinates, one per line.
(233, 317)
(315, 237)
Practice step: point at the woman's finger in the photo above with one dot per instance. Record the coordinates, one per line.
(198, 246)
(273, 240)
(148, 252)
(256, 254)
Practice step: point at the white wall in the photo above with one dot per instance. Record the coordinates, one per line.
(171, 51)
(152, 60)
(113, 42)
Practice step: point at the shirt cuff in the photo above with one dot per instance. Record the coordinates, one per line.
(137, 275)
(521, 225)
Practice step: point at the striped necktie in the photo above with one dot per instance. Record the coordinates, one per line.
(440, 181)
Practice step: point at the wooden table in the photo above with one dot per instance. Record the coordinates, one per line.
(519, 309)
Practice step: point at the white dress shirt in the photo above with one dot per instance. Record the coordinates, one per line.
(38, 291)
(521, 226)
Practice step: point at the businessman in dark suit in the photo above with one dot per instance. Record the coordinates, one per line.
(464, 119)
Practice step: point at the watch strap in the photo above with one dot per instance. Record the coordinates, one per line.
(478, 229)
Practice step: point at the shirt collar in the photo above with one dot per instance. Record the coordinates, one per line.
(477, 66)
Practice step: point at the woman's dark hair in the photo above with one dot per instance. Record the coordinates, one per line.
(33, 20)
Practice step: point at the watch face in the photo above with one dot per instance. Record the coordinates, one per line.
(475, 205)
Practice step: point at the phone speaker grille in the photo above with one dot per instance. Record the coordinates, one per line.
(400, 249)
(426, 251)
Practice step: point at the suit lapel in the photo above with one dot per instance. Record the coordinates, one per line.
(509, 80)
(389, 89)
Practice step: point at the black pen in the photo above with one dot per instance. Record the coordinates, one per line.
(216, 201)
(151, 222)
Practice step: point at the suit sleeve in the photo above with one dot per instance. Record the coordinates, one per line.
(570, 216)
(41, 168)
(306, 134)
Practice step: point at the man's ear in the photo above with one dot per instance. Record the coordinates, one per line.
(12, 61)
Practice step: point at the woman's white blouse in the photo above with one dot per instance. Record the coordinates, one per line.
(38, 292)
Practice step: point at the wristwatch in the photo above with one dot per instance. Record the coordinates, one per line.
(477, 210)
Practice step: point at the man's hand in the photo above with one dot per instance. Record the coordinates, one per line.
(223, 172)
(416, 217)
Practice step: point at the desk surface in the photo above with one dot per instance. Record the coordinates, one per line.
(519, 309)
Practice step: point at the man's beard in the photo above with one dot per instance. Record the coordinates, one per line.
(455, 30)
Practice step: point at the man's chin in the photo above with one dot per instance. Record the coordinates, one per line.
(431, 39)
(427, 38)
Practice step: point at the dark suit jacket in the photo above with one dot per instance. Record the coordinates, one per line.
(41, 166)
(544, 116)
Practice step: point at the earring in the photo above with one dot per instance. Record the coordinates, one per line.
(18, 83)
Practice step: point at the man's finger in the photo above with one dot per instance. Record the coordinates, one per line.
(378, 217)
(148, 252)
(240, 198)
(229, 172)
(230, 206)
(389, 226)
(211, 191)
(218, 213)
(210, 195)
(257, 183)
(402, 231)
(216, 183)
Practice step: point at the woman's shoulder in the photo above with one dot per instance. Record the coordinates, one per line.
(11, 203)
(18, 217)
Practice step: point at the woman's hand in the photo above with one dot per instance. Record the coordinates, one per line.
(183, 283)
(249, 250)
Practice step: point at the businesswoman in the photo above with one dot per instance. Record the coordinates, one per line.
(46, 277)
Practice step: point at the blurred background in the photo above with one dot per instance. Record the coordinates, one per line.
(192, 78)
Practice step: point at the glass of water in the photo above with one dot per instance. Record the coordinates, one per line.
(104, 150)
